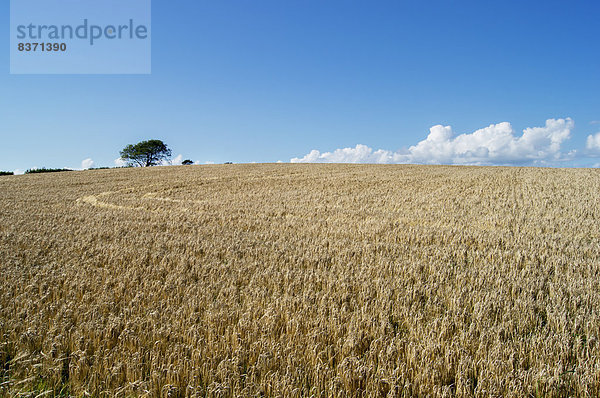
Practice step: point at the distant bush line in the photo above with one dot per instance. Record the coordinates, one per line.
(45, 170)
(48, 170)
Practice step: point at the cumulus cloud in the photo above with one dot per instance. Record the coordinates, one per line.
(359, 154)
(199, 162)
(87, 164)
(119, 162)
(19, 172)
(495, 144)
(177, 160)
(593, 143)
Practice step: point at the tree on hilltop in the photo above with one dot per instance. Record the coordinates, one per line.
(146, 153)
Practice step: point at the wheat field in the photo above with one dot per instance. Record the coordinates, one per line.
(301, 281)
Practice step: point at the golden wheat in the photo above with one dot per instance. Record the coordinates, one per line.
(301, 280)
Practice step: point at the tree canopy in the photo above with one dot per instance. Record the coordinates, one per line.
(146, 153)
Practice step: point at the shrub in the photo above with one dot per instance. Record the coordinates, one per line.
(45, 170)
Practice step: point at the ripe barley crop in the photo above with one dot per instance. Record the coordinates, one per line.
(301, 280)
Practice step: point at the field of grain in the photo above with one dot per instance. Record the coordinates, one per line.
(301, 280)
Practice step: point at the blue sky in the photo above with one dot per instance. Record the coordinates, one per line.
(264, 81)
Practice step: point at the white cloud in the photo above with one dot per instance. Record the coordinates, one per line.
(593, 143)
(119, 162)
(87, 164)
(495, 144)
(359, 154)
(198, 162)
(177, 160)
(19, 172)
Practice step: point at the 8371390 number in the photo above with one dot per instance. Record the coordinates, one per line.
(45, 47)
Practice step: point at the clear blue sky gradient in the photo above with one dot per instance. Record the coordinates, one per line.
(264, 81)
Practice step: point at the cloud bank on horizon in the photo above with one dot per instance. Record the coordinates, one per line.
(497, 144)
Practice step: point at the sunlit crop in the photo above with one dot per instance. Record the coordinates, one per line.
(301, 280)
